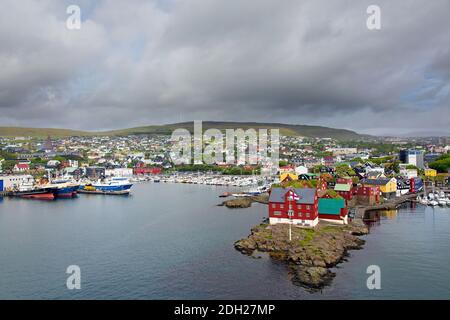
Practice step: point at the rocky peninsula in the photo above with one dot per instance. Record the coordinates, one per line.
(311, 252)
(245, 202)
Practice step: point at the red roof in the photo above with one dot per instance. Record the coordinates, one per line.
(22, 166)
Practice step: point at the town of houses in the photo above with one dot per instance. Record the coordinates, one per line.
(318, 178)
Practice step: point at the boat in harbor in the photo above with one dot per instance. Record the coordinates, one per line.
(64, 188)
(423, 200)
(113, 185)
(35, 193)
(433, 203)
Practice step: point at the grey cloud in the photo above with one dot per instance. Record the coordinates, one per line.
(312, 62)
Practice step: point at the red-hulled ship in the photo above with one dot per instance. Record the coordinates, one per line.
(38, 194)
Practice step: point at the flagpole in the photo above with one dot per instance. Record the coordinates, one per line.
(290, 214)
(292, 199)
(290, 230)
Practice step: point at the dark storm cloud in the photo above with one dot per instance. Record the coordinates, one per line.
(142, 62)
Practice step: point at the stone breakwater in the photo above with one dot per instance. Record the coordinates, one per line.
(311, 252)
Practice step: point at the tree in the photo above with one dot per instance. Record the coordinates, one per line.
(283, 163)
(441, 164)
(8, 165)
(8, 155)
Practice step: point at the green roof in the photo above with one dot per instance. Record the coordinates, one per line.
(309, 174)
(342, 187)
(331, 206)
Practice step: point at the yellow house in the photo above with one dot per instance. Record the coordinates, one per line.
(386, 185)
(430, 173)
(288, 176)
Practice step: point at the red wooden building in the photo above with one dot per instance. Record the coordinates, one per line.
(369, 194)
(21, 167)
(333, 210)
(294, 205)
(344, 181)
(322, 184)
(288, 168)
(344, 188)
(137, 171)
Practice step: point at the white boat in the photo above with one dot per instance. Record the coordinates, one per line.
(422, 200)
(433, 203)
(113, 184)
(241, 195)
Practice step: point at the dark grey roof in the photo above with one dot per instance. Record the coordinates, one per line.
(378, 182)
(306, 195)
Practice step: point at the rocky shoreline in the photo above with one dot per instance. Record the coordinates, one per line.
(245, 202)
(311, 252)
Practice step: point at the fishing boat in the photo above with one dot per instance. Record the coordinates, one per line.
(35, 193)
(113, 184)
(64, 188)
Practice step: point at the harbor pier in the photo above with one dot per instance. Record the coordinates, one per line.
(391, 204)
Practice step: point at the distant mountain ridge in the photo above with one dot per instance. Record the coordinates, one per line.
(285, 129)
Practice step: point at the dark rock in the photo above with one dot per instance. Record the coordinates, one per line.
(311, 251)
(312, 277)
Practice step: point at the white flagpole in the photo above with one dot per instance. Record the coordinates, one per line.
(290, 212)
(290, 230)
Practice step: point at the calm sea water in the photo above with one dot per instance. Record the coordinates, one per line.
(170, 241)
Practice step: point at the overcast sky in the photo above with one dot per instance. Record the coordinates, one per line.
(139, 62)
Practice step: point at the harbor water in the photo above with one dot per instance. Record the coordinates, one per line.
(172, 241)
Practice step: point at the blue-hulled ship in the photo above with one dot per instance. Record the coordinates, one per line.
(113, 184)
(64, 188)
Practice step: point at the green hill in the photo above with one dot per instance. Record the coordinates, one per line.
(39, 132)
(285, 129)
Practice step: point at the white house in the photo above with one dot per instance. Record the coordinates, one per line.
(119, 172)
(21, 167)
(14, 181)
(301, 170)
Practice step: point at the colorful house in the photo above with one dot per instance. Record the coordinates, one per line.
(430, 173)
(322, 184)
(388, 187)
(415, 185)
(307, 176)
(298, 206)
(288, 176)
(301, 170)
(21, 167)
(368, 195)
(344, 180)
(288, 168)
(333, 210)
(403, 185)
(147, 171)
(344, 190)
